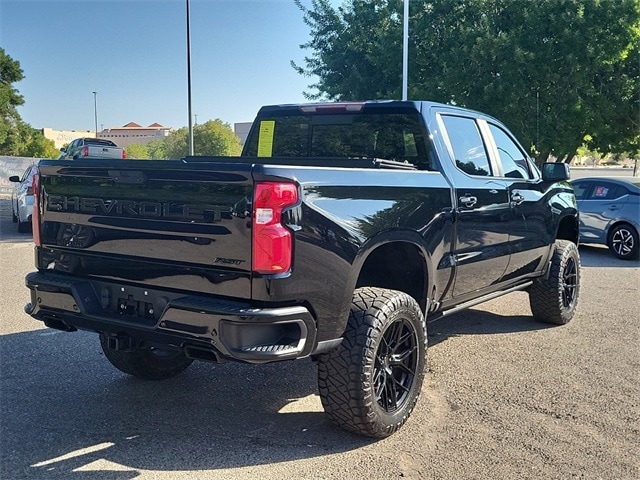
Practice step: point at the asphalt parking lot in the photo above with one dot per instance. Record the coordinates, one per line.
(504, 398)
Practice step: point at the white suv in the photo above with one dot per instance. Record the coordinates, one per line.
(22, 199)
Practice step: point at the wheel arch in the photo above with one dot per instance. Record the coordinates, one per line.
(568, 229)
(395, 260)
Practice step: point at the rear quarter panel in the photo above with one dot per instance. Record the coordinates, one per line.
(342, 217)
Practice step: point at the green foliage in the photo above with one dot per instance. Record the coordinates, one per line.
(156, 150)
(553, 71)
(16, 137)
(213, 137)
(11, 125)
(137, 150)
(38, 146)
(177, 143)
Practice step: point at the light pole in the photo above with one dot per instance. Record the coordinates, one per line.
(95, 110)
(405, 49)
(189, 82)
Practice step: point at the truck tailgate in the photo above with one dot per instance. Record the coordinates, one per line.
(104, 152)
(176, 225)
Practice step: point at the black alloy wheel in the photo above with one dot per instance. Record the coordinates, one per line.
(396, 365)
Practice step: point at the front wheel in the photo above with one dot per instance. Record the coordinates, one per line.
(147, 363)
(370, 383)
(623, 242)
(553, 299)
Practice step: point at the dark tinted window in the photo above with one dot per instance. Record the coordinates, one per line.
(607, 191)
(581, 189)
(389, 136)
(99, 142)
(514, 161)
(468, 148)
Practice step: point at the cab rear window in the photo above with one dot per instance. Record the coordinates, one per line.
(389, 136)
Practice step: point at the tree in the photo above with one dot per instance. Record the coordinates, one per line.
(215, 137)
(176, 145)
(37, 145)
(156, 149)
(10, 121)
(137, 150)
(17, 137)
(554, 71)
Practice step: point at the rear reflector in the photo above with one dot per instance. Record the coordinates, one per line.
(35, 216)
(272, 241)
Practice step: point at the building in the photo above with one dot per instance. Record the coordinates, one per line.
(134, 133)
(121, 136)
(64, 137)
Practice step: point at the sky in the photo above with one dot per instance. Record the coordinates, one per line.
(133, 53)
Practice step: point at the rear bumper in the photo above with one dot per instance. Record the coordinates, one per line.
(205, 327)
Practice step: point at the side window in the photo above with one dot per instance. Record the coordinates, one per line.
(514, 161)
(468, 148)
(580, 189)
(606, 191)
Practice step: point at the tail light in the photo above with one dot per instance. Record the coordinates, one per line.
(124, 154)
(35, 216)
(85, 151)
(272, 242)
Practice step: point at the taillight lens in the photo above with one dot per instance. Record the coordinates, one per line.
(124, 154)
(85, 151)
(35, 216)
(272, 241)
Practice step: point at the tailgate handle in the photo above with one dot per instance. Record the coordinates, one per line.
(131, 177)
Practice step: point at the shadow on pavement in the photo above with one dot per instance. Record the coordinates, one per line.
(65, 407)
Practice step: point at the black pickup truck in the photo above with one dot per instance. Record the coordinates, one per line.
(340, 230)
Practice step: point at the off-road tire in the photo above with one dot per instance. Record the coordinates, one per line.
(623, 242)
(554, 298)
(370, 384)
(146, 363)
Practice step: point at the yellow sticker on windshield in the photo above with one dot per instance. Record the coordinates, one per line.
(265, 139)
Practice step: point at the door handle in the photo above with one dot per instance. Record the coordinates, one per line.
(517, 198)
(468, 200)
(613, 207)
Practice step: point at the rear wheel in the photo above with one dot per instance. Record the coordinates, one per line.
(623, 242)
(147, 363)
(23, 227)
(553, 299)
(370, 383)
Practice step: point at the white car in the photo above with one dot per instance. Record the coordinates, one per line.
(22, 199)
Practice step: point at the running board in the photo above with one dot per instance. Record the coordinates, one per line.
(476, 301)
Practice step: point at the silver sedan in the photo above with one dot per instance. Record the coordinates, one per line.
(610, 213)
